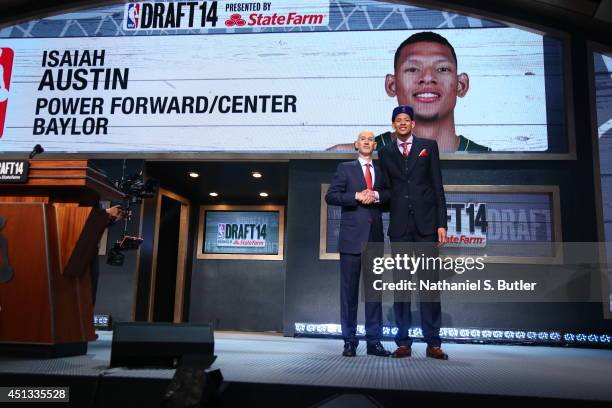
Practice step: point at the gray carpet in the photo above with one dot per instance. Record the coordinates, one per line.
(481, 369)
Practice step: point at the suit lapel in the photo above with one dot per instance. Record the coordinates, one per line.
(413, 155)
(359, 174)
(397, 157)
(412, 159)
(377, 175)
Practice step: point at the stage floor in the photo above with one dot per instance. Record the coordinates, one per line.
(549, 372)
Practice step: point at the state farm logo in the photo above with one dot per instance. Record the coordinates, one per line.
(6, 66)
(235, 20)
(275, 19)
(203, 14)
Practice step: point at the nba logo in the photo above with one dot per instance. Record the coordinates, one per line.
(220, 231)
(6, 66)
(133, 12)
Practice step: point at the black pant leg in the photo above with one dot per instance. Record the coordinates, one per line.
(402, 299)
(350, 265)
(429, 302)
(373, 298)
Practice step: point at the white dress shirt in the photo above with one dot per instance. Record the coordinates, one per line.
(399, 144)
(363, 163)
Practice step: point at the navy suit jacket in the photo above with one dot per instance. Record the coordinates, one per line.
(416, 185)
(358, 220)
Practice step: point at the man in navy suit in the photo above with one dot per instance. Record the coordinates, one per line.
(417, 222)
(360, 188)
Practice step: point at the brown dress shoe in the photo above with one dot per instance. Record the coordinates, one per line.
(436, 352)
(401, 352)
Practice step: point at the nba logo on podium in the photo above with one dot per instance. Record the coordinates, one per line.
(6, 66)
(133, 13)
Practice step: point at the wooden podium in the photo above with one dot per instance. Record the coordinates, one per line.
(49, 230)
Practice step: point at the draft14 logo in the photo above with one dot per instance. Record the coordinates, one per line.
(6, 66)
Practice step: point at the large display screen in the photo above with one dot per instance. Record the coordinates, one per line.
(602, 64)
(287, 77)
(226, 233)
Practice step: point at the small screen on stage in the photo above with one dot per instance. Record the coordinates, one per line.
(241, 232)
(278, 77)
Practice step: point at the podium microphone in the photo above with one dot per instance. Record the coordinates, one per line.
(38, 149)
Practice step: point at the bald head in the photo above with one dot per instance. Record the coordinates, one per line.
(365, 143)
(365, 133)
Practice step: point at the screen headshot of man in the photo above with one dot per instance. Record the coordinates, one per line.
(426, 77)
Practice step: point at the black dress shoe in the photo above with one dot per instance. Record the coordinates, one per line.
(377, 349)
(350, 350)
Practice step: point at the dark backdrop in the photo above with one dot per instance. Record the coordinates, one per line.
(230, 294)
(312, 285)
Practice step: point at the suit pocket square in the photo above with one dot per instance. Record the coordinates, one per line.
(423, 153)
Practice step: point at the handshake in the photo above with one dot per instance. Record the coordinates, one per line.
(366, 197)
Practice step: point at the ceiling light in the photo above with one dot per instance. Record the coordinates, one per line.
(193, 174)
(213, 194)
(256, 174)
(262, 194)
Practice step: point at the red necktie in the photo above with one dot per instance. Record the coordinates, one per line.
(405, 149)
(368, 176)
